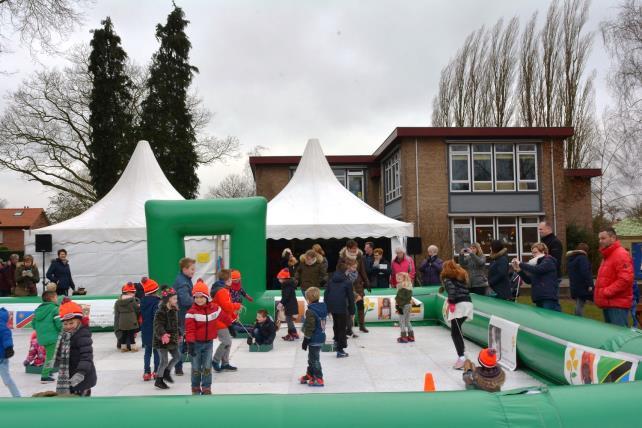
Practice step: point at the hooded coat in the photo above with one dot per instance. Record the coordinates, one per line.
(314, 325)
(148, 307)
(288, 298)
(362, 282)
(81, 358)
(221, 297)
(580, 275)
(614, 285)
(498, 278)
(6, 340)
(47, 324)
(166, 321)
(26, 280)
(314, 275)
(476, 267)
(126, 312)
(338, 295)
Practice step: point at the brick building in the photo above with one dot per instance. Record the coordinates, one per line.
(461, 185)
(13, 221)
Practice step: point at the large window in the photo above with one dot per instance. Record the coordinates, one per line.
(353, 179)
(493, 167)
(392, 178)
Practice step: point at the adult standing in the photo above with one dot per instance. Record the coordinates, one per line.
(431, 267)
(553, 244)
(285, 257)
(381, 270)
(319, 250)
(311, 272)
(183, 285)
(59, 273)
(614, 285)
(580, 276)
(473, 260)
(339, 297)
(541, 273)
(27, 278)
(8, 275)
(368, 257)
(352, 252)
(401, 263)
(498, 279)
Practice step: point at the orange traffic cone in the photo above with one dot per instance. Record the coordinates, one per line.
(429, 383)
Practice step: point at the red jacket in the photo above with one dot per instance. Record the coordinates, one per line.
(221, 296)
(614, 285)
(201, 322)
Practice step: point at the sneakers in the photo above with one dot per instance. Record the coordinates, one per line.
(160, 384)
(48, 379)
(342, 354)
(206, 391)
(196, 391)
(305, 379)
(168, 377)
(228, 368)
(288, 338)
(403, 338)
(178, 371)
(363, 328)
(147, 377)
(459, 364)
(411, 336)
(217, 367)
(317, 381)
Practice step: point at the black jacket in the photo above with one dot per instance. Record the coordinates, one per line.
(288, 298)
(580, 275)
(457, 290)
(542, 277)
(498, 278)
(555, 249)
(338, 295)
(60, 273)
(266, 330)
(81, 359)
(165, 321)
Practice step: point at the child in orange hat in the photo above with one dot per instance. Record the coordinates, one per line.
(75, 357)
(237, 293)
(126, 312)
(148, 307)
(221, 296)
(288, 303)
(488, 376)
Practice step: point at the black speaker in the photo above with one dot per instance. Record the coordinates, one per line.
(43, 243)
(413, 245)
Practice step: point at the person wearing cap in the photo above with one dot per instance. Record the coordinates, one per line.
(488, 376)
(166, 332)
(148, 307)
(220, 293)
(237, 293)
(75, 357)
(201, 322)
(47, 324)
(288, 303)
(126, 312)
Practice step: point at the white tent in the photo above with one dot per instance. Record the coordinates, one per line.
(107, 244)
(315, 205)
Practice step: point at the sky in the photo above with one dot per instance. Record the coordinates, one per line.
(276, 73)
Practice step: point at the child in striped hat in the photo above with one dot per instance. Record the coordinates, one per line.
(488, 376)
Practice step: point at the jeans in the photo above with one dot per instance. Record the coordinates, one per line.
(579, 306)
(289, 319)
(314, 361)
(6, 377)
(222, 355)
(634, 308)
(181, 328)
(148, 357)
(339, 328)
(457, 335)
(553, 305)
(50, 359)
(202, 365)
(165, 364)
(616, 316)
(404, 319)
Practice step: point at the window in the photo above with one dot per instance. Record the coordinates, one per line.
(18, 213)
(355, 183)
(529, 234)
(1, 237)
(504, 167)
(462, 233)
(459, 167)
(527, 164)
(484, 232)
(341, 176)
(482, 167)
(392, 178)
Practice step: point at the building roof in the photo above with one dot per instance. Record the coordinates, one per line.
(294, 160)
(629, 227)
(19, 218)
(583, 172)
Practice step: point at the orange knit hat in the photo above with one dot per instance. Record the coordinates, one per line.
(201, 289)
(149, 285)
(487, 358)
(283, 274)
(129, 288)
(236, 275)
(69, 310)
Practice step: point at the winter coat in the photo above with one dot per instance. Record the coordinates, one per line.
(221, 296)
(542, 277)
(202, 322)
(498, 278)
(315, 275)
(148, 307)
(362, 282)
(6, 340)
(485, 379)
(314, 325)
(380, 278)
(165, 321)
(555, 250)
(8, 277)
(476, 267)
(288, 298)
(580, 275)
(126, 312)
(403, 297)
(338, 295)
(405, 265)
(81, 358)
(183, 286)
(27, 282)
(60, 273)
(267, 331)
(368, 260)
(430, 270)
(457, 290)
(614, 284)
(47, 324)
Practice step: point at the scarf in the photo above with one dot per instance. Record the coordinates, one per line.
(533, 261)
(352, 276)
(63, 385)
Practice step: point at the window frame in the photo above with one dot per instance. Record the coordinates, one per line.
(496, 181)
(533, 153)
(392, 174)
(468, 168)
(490, 153)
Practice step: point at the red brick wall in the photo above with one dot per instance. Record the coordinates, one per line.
(546, 184)
(578, 205)
(270, 180)
(13, 239)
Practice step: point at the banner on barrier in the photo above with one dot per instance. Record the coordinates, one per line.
(502, 336)
(583, 365)
(99, 311)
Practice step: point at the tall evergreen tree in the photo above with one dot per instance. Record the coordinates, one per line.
(112, 138)
(166, 121)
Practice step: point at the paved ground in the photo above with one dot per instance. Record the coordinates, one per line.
(376, 364)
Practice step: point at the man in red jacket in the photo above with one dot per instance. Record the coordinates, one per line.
(614, 285)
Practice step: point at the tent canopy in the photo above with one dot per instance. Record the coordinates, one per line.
(315, 205)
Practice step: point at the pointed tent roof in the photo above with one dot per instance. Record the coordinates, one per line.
(120, 215)
(315, 205)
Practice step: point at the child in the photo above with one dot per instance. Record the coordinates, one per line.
(314, 336)
(75, 356)
(487, 377)
(148, 307)
(460, 307)
(166, 333)
(264, 330)
(37, 354)
(126, 311)
(339, 298)
(221, 296)
(6, 352)
(237, 293)
(403, 301)
(183, 286)
(47, 324)
(200, 331)
(288, 303)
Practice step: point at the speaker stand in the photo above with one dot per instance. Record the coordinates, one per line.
(44, 277)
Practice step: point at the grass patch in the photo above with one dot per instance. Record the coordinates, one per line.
(568, 307)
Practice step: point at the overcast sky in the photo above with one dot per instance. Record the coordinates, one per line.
(276, 73)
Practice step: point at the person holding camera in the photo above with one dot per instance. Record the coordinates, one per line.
(473, 260)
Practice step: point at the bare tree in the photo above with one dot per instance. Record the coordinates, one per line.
(529, 69)
(500, 63)
(237, 185)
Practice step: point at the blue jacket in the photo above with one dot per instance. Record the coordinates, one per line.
(580, 275)
(430, 270)
(183, 286)
(498, 278)
(5, 334)
(314, 325)
(60, 273)
(542, 277)
(338, 295)
(148, 307)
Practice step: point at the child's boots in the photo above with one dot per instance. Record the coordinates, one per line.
(206, 391)
(167, 377)
(123, 348)
(147, 377)
(305, 379)
(411, 336)
(160, 384)
(403, 338)
(317, 381)
(197, 390)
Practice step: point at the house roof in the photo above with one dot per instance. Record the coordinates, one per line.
(294, 160)
(629, 227)
(19, 218)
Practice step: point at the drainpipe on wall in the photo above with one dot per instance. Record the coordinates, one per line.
(553, 182)
(417, 185)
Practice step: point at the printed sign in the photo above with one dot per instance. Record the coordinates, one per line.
(203, 258)
(99, 311)
(502, 336)
(583, 365)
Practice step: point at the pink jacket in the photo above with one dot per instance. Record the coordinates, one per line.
(405, 265)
